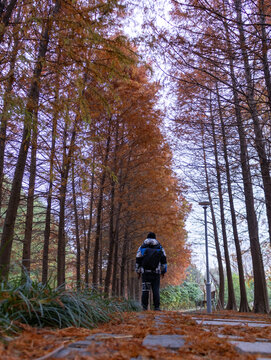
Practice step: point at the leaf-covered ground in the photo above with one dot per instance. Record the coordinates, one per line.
(34, 343)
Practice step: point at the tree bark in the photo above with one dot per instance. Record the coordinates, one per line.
(123, 263)
(217, 246)
(231, 305)
(6, 107)
(115, 263)
(77, 235)
(111, 218)
(31, 109)
(87, 244)
(61, 250)
(111, 239)
(6, 11)
(260, 290)
(265, 46)
(47, 230)
(101, 259)
(99, 214)
(26, 259)
(243, 307)
(259, 139)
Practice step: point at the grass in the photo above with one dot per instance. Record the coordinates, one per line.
(36, 304)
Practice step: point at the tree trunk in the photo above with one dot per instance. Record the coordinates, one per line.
(128, 277)
(47, 229)
(31, 108)
(111, 217)
(260, 291)
(5, 16)
(111, 239)
(265, 47)
(77, 235)
(123, 263)
(87, 244)
(84, 223)
(99, 213)
(115, 264)
(101, 259)
(217, 246)
(61, 250)
(231, 305)
(6, 106)
(30, 203)
(244, 307)
(259, 139)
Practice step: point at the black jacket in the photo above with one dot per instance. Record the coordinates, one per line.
(154, 244)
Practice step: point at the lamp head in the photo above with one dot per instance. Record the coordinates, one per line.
(204, 203)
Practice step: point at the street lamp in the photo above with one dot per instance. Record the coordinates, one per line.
(205, 204)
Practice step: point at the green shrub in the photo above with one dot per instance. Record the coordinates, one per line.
(180, 297)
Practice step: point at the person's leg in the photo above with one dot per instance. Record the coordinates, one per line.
(146, 287)
(156, 291)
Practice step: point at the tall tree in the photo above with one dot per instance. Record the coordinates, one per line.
(30, 110)
(231, 305)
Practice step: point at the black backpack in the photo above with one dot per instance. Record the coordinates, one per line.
(151, 258)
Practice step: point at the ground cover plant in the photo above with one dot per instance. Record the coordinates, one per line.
(38, 305)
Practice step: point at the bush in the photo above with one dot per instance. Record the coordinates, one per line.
(180, 297)
(36, 304)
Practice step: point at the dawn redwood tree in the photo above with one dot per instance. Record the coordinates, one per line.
(77, 235)
(243, 307)
(231, 305)
(30, 111)
(68, 151)
(6, 10)
(221, 290)
(95, 271)
(260, 289)
(30, 200)
(48, 215)
(252, 106)
(112, 232)
(87, 242)
(7, 97)
(199, 50)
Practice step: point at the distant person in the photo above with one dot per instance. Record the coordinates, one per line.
(151, 262)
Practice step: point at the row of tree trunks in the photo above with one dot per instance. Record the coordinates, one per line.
(95, 273)
(88, 237)
(47, 230)
(112, 231)
(7, 101)
(6, 11)
(221, 292)
(30, 201)
(31, 110)
(243, 307)
(260, 290)
(77, 235)
(66, 164)
(231, 305)
(259, 139)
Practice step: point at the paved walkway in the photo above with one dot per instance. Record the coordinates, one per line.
(174, 335)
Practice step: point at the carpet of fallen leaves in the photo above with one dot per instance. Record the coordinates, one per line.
(201, 341)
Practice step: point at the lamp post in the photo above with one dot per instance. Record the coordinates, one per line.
(205, 204)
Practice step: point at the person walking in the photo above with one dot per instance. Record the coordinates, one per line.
(151, 262)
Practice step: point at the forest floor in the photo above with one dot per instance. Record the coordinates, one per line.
(150, 335)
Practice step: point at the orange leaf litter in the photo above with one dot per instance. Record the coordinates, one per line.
(33, 343)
